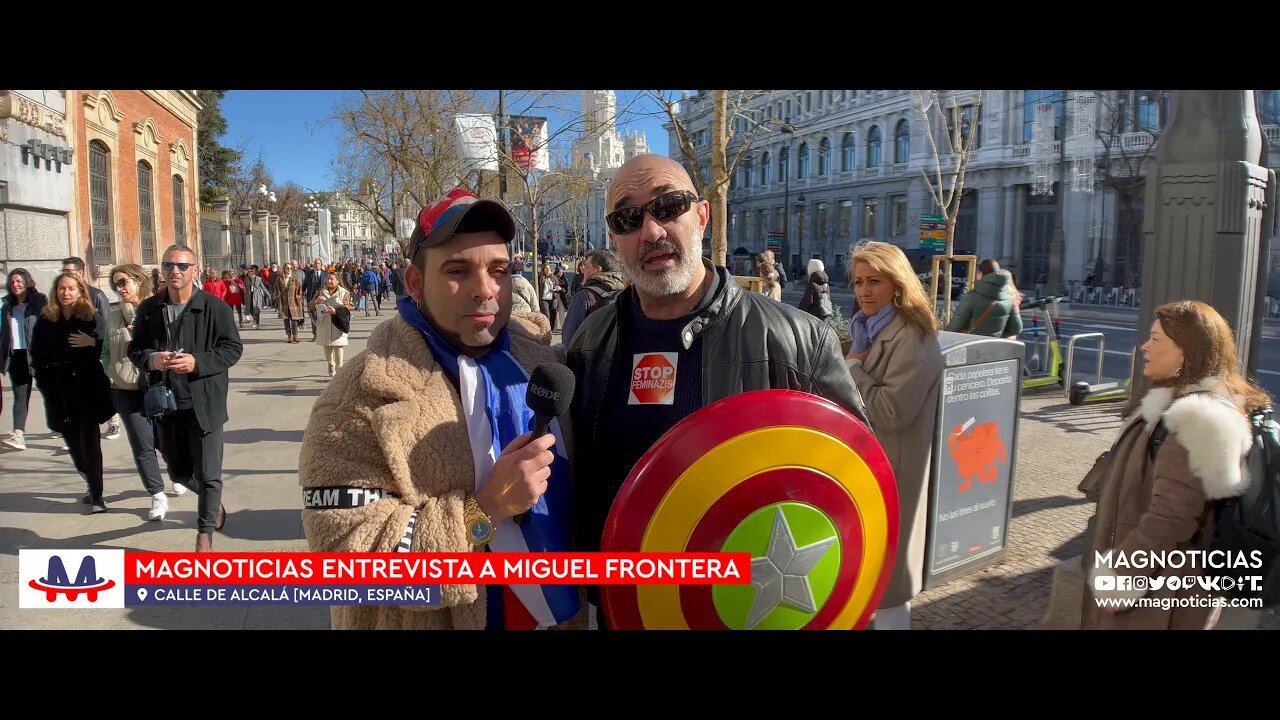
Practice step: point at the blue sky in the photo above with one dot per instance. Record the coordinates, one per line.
(289, 128)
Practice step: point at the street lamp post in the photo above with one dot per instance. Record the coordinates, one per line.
(800, 229)
(786, 188)
(268, 196)
(312, 206)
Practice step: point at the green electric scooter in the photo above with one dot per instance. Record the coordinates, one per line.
(1044, 371)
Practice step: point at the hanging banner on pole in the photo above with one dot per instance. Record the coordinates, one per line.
(529, 142)
(477, 140)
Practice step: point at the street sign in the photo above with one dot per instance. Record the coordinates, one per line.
(773, 241)
(932, 219)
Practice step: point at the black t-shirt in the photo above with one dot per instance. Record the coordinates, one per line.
(174, 316)
(659, 385)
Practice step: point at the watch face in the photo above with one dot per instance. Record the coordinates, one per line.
(479, 531)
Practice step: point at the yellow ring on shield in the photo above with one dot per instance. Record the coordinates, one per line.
(735, 460)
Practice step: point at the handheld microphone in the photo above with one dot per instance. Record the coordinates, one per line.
(548, 395)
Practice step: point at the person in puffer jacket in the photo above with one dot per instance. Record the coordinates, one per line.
(817, 286)
(989, 308)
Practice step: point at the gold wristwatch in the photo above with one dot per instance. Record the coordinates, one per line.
(479, 525)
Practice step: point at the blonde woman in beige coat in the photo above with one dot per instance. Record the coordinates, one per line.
(326, 302)
(896, 363)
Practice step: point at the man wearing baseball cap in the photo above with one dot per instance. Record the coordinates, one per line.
(421, 443)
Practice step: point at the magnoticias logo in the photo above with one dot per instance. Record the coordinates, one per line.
(74, 579)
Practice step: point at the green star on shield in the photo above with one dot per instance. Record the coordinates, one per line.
(795, 559)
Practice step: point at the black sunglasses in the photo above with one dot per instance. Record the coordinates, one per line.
(665, 207)
(182, 267)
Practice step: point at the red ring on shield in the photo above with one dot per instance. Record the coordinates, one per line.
(660, 469)
(772, 486)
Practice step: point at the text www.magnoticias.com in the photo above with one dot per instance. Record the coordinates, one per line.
(1187, 602)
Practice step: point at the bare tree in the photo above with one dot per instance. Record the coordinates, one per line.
(728, 148)
(540, 193)
(575, 218)
(398, 150)
(941, 114)
(1128, 136)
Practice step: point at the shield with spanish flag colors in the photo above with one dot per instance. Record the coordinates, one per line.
(791, 478)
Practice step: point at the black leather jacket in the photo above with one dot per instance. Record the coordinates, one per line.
(749, 342)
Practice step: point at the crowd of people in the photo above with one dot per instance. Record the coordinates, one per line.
(430, 420)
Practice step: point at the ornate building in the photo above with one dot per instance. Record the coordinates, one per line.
(37, 187)
(137, 189)
(599, 153)
(854, 167)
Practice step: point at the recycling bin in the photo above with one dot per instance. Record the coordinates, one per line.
(974, 455)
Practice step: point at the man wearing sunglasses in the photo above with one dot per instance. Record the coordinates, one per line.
(681, 337)
(186, 340)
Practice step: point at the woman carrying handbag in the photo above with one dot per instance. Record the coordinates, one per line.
(333, 321)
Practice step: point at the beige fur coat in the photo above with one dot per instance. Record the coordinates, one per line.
(391, 419)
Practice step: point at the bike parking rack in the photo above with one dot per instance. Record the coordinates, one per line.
(1071, 356)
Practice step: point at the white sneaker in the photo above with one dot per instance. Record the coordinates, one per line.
(16, 441)
(179, 489)
(113, 431)
(159, 506)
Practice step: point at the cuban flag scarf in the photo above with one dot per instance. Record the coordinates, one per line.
(492, 389)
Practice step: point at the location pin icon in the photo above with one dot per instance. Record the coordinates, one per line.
(142, 594)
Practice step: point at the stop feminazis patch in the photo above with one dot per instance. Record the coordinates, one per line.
(653, 378)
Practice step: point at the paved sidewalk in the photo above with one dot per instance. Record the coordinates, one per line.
(272, 389)
(1057, 445)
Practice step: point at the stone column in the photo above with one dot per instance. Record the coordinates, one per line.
(274, 238)
(1204, 234)
(222, 206)
(245, 218)
(263, 235)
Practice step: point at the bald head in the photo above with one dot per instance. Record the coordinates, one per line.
(646, 172)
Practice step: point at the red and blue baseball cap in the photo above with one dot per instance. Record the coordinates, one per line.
(459, 211)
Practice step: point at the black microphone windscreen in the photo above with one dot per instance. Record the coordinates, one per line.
(550, 389)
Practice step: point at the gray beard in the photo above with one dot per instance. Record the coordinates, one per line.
(669, 282)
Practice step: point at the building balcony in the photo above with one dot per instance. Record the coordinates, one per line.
(870, 173)
(898, 170)
(822, 180)
(1273, 134)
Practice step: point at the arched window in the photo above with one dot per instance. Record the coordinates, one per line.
(100, 201)
(824, 155)
(902, 142)
(873, 147)
(146, 213)
(784, 164)
(764, 168)
(802, 170)
(846, 152)
(179, 211)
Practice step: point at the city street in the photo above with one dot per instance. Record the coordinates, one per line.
(1119, 326)
(272, 390)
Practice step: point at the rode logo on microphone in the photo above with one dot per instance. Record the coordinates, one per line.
(50, 579)
(547, 393)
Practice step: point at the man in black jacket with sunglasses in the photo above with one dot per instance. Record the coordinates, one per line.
(203, 329)
(691, 321)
